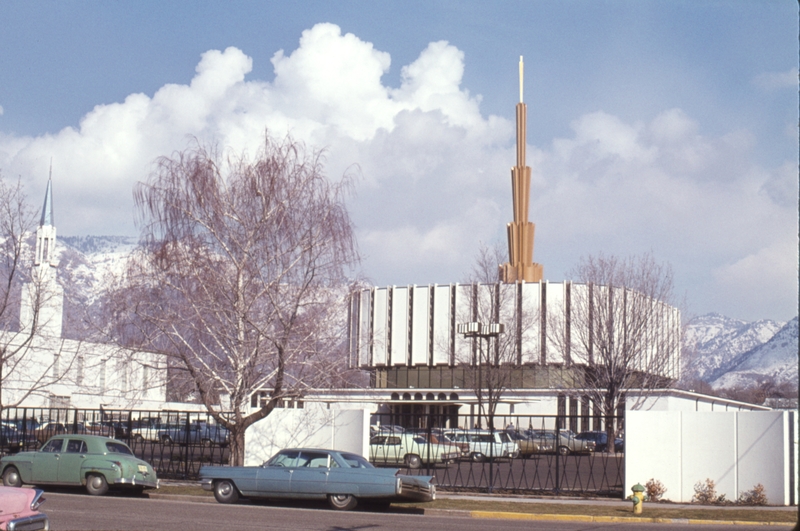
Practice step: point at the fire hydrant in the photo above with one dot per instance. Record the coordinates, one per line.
(637, 498)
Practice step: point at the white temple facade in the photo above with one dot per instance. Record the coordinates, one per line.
(41, 368)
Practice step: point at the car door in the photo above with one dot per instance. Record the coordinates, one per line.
(274, 478)
(69, 464)
(310, 476)
(44, 468)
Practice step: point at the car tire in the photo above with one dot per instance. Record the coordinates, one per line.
(11, 477)
(413, 461)
(478, 457)
(342, 502)
(138, 437)
(225, 491)
(563, 450)
(206, 443)
(96, 484)
(166, 439)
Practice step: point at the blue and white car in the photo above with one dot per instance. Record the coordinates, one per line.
(343, 478)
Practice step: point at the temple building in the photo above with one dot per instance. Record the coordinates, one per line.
(412, 340)
(41, 368)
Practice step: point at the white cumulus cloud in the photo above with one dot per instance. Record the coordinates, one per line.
(433, 170)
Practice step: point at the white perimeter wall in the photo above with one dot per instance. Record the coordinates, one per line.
(315, 426)
(737, 450)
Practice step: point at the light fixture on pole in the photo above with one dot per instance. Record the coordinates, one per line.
(486, 331)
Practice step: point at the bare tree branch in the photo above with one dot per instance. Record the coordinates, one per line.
(622, 329)
(240, 275)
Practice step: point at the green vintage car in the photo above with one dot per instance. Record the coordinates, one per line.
(96, 462)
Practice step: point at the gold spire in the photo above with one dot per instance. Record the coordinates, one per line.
(520, 265)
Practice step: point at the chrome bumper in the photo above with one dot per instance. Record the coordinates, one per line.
(416, 492)
(37, 522)
(134, 483)
(207, 483)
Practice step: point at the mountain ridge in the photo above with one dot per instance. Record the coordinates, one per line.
(719, 350)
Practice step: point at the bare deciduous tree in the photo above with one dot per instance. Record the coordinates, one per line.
(29, 362)
(490, 364)
(241, 276)
(622, 328)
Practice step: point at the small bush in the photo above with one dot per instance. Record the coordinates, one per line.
(706, 493)
(654, 489)
(756, 496)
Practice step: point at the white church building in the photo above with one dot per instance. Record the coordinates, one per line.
(41, 368)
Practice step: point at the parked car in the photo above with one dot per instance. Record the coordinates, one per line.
(93, 428)
(146, 429)
(12, 441)
(19, 509)
(309, 473)
(199, 433)
(376, 429)
(411, 450)
(529, 446)
(483, 444)
(563, 441)
(600, 439)
(96, 462)
(121, 428)
(46, 430)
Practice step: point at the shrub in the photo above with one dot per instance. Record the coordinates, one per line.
(706, 493)
(756, 496)
(654, 489)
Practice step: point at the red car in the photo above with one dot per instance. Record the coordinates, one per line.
(19, 509)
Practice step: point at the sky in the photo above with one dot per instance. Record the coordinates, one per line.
(666, 127)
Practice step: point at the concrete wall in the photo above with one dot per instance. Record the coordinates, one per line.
(315, 426)
(736, 450)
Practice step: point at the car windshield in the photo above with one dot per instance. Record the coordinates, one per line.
(356, 461)
(118, 448)
(286, 458)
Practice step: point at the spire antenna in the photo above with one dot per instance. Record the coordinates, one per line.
(520, 266)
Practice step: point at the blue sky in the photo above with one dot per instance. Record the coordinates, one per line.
(654, 126)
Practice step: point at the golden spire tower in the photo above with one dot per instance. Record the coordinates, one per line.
(520, 265)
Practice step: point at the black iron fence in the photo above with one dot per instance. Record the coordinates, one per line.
(175, 443)
(519, 454)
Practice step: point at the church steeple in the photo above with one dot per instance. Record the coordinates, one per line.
(46, 233)
(520, 265)
(42, 305)
(47, 208)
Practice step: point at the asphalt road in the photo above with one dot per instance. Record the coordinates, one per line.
(77, 511)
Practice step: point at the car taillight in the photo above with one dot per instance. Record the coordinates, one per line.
(37, 501)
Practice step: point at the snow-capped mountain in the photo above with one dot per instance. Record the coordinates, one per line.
(86, 262)
(713, 341)
(719, 350)
(775, 360)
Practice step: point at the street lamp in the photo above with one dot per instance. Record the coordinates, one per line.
(484, 331)
(481, 331)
